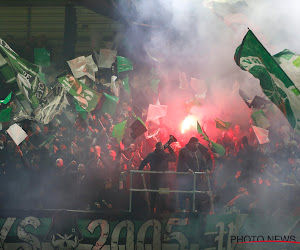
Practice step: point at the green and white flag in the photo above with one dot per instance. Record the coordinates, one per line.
(86, 97)
(28, 80)
(275, 82)
(260, 119)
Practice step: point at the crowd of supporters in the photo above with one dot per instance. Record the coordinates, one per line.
(78, 164)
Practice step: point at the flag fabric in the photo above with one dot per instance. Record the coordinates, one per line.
(5, 114)
(80, 110)
(16, 133)
(138, 127)
(83, 66)
(123, 64)
(276, 84)
(86, 97)
(261, 134)
(222, 125)
(30, 83)
(200, 131)
(110, 104)
(290, 63)
(56, 103)
(260, 119)
(7, 99)
(156, 111)
(260, 103)
(42, 57)
(106, 58)
(125, 83)
(119, 130)
(219, 149)
(35, 88)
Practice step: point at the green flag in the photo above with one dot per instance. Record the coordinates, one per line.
(5, 114)
(80, 110)
(42, 57)
(219, 149)
(86, 97)
(110, 104)
(200, 131)
(222, 125)
(260, 119)
(126, 84)
(275, 82)
(28, 79)
(7, 99)
(119, 130)
(124, 64)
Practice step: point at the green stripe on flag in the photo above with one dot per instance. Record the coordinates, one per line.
(5, 115)
(7, 99)
(296, 62)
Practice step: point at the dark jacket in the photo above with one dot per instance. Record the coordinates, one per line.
(190, 160)
(158, 160)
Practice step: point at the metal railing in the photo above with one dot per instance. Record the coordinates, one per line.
(193, 192)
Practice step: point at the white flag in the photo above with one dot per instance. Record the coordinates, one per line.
(261, 134)
(17, 133)
(106, 58)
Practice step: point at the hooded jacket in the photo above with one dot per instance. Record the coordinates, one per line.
(189, 159)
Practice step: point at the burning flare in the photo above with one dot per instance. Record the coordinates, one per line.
(190, 122)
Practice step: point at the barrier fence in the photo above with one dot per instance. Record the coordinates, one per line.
(193, 192)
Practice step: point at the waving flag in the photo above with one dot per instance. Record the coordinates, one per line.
(29, 76)
(260, 119)
(17, 133)
(7, 99)
(5, 114)
(123, 64)
(222, 125)
(261, 134)
(86, 97)
(219, 149)
(83, 66)
(156, 111)
(275, 82)
(28, 84)
(119, 130)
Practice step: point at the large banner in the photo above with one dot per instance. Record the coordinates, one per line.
(88, 230)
